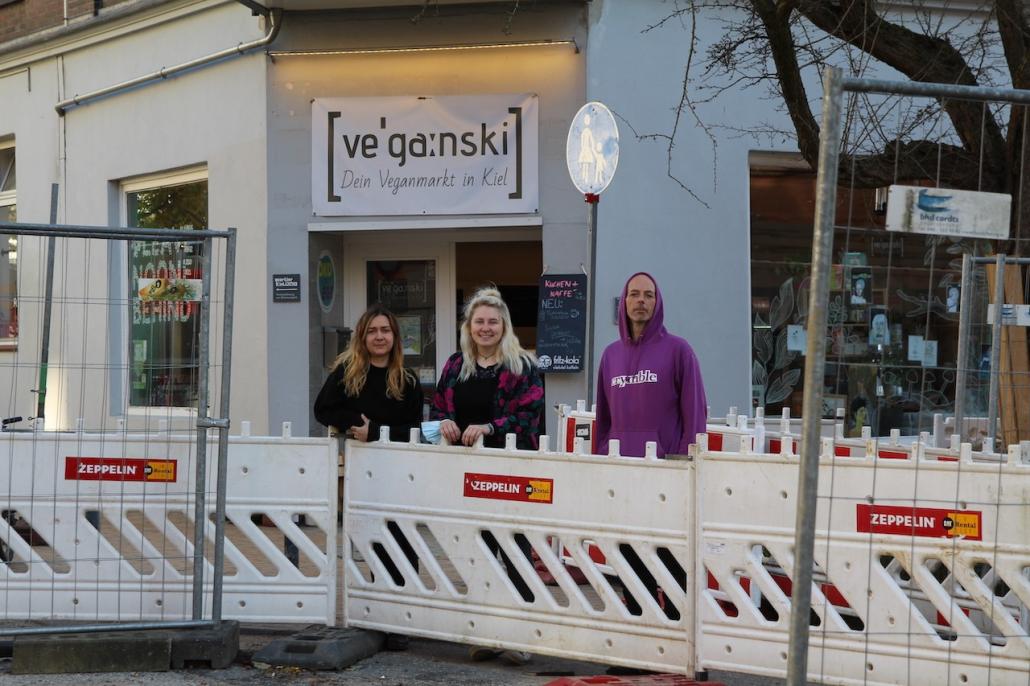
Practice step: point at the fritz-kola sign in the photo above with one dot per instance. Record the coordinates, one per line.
(462, 154)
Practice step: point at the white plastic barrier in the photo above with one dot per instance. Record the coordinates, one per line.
(923, 567)
(450, 504)
(100, 527)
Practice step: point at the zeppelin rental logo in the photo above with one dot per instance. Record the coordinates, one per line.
(526, 489)
(926, 522)
(407, 155)
(119, 469)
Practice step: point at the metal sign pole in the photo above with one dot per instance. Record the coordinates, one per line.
(592, 155)
(593, 201)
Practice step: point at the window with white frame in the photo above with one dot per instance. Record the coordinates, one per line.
(8, 248)
(164, 289)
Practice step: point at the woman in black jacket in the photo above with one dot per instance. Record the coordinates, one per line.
(369, 388)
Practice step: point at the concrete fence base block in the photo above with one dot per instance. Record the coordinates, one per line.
(127, 651)
(213, 648)
(323, 648)
(107, 652)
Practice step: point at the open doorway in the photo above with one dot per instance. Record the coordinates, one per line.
(514, 267)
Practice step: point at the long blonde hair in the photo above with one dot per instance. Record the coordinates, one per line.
(511, 353)
(355, 359)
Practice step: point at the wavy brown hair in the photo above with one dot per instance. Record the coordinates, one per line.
(355, 359)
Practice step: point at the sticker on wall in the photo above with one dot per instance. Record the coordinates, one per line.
(325, 281)
(166, 289)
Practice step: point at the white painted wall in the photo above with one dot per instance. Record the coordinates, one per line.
(700, 255)
(213, 117)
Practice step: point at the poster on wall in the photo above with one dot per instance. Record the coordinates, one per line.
(325, 282)
(403, 155)
(561, 322)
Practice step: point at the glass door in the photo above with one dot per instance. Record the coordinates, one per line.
(408, 289)
(414, 278)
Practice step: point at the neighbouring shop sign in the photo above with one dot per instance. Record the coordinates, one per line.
(402, 155)
(286, 288)
(561, 322)
(947, 212)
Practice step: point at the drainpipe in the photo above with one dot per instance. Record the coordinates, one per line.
(275, 23)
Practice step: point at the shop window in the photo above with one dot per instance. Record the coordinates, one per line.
(8, 250)
(892, 330)
(164, 285)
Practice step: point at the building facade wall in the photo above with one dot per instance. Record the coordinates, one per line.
(169, 125)
(697, 248)
(20, 18)
(556, 74)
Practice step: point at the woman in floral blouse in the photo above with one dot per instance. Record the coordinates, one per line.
(492, 386)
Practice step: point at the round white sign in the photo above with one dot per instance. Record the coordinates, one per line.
(592, 148)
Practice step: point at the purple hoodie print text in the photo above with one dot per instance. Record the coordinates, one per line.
(649, 389)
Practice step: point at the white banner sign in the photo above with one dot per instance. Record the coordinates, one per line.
(947, 212)
(462, 154)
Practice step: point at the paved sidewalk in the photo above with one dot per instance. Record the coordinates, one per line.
(425, 662)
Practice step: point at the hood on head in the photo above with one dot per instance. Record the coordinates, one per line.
(655, 327)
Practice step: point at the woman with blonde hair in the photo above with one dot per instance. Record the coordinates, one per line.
(492, 386)
(368, 386)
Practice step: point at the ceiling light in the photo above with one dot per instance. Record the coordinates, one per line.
(423, 48)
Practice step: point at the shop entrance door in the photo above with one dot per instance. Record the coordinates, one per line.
(414, 280)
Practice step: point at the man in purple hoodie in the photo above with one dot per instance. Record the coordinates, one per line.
(649, 385)
(649, 388)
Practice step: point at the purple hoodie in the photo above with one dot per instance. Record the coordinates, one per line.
(650, 389)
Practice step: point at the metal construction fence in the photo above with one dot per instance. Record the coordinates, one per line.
(467, 544)
(921, 569)
(114, 544)
(975, 586)
(111, 457)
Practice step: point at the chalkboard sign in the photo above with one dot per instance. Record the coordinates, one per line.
(561, 322)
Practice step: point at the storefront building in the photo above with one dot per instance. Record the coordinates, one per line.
(394, 152)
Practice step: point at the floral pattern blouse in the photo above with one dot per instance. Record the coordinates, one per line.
(518, 402)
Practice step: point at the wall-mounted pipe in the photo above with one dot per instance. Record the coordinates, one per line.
(275, 23)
